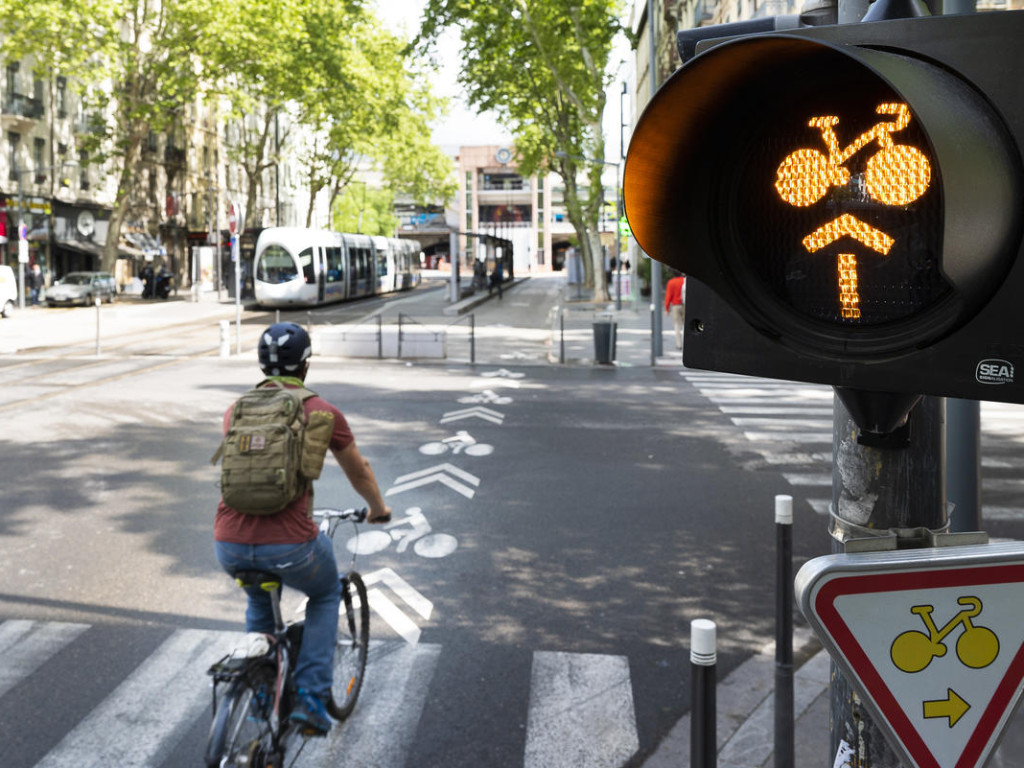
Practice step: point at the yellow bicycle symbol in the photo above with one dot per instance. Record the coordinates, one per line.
(976, 648)
(897, 174)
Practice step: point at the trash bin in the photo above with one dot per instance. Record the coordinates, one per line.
(604, 341)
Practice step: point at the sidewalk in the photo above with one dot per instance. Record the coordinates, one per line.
(34, 328)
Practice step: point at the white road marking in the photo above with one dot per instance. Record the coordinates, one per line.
(385, 607)
(27, 645)
(437, 474)
(581, 712)
(380, 732)
(150, 710)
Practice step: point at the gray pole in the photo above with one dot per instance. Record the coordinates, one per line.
(874, 490)
(656, 344)
(453, 251)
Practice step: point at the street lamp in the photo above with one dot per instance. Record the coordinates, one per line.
(22, 233)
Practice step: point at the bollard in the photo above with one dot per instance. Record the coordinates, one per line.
(561, 333)
(784, 747)
(277, 316)
(703, 728)
(98, 350)
(225, 338)
(472, 338)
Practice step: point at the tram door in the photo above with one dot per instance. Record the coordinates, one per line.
(321, 274)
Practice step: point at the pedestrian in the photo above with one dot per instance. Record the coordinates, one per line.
(288, 542)
(497, 278)
(675, 305)
(35, 283)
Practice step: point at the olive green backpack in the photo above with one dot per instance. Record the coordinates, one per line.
(271, 452)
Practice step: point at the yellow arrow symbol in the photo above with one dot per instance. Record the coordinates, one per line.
(952, 707)
(875, 239)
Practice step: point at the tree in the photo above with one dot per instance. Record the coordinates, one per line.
(134, 62)
(541, 65)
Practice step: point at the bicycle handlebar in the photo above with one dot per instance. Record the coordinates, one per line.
(355, 515)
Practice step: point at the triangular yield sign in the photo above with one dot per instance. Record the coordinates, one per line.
(932, 639)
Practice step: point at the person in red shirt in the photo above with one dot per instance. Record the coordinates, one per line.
(289, 543)
(675, 305)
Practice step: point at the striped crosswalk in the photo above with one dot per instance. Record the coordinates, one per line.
(579, 712)
(789, 426)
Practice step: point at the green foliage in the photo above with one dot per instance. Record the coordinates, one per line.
(366, 210)
(540, 65)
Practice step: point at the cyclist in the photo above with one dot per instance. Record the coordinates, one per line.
(289, 543)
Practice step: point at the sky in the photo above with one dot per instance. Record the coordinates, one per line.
(461, 127)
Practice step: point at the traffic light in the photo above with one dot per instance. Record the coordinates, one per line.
(847, 203)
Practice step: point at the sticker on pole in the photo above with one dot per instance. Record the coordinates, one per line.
(932, 639)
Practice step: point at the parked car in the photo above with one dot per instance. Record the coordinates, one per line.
(8, 290)
(81, 288)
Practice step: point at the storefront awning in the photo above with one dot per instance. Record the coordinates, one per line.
(80, 246)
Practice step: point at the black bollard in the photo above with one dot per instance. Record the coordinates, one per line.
(784, 748)
(703, 728)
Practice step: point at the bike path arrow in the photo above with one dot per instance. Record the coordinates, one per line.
(931, 639)
(477, 412)
(442, 473)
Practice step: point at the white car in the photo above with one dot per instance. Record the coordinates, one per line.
(8, 290)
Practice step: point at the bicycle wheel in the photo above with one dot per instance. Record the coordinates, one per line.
(240, 734)
(350, 651)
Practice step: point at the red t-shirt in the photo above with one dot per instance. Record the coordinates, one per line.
(291, 525)
(674, 291)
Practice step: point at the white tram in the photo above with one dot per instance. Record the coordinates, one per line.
(296, 267)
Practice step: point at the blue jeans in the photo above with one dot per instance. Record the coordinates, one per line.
(309, 568)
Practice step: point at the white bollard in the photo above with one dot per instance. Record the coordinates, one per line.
(225, 338)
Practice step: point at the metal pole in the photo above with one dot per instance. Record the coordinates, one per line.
(784, 737)
(963, 463)
(98, 350)
(472, 337)
(236, 256)
(561, 329)
(656, 341)
(876, 489)
(703, 725)
(380, 337)
(399, 335)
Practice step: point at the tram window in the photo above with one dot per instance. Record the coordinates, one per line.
(306, 260)
(276, 266)
(335, 272)
(382, 263)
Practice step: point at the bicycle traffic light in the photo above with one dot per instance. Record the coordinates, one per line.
(847, 202)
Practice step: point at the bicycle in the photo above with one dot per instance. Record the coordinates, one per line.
(251, 727)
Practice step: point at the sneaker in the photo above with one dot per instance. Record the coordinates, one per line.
(311, 713)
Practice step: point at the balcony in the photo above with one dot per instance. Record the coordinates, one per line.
(20, 112)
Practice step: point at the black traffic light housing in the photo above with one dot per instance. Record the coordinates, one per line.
(847, 202)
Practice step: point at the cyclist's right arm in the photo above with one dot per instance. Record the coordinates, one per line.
(358, 471)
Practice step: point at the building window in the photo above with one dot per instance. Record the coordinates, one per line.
(62, 97)
(13, 141)
(38, 150)
(12, 81)
(83, 170)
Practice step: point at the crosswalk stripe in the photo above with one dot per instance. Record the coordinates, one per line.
(150, 709)
(27, 645)
(380, 731)
(581, 712)
(789, 437)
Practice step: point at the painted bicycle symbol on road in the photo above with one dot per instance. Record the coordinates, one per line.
(977, 647)
(460, 442)
(411, 529)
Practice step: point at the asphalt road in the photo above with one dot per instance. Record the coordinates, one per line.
(606, 517)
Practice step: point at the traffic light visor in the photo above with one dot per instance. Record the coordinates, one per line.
(845, 200)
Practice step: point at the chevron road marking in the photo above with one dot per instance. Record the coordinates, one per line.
(437, 474)
(477, 412)
(385, 607)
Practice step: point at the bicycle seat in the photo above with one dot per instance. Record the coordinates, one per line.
(267, 581)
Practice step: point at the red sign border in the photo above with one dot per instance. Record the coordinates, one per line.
(839, 584)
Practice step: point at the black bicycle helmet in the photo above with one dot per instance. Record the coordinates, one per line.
(283, 348)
